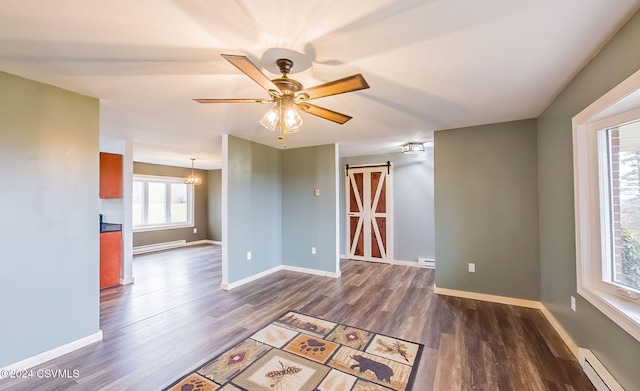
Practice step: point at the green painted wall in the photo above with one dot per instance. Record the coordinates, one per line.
(214, 194)
(49, 231)
(617, 350)
(200, 211)
(272, 210)
(309, 220)
(486, 209)
(254, 208)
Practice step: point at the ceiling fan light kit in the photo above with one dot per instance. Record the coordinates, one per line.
(289, 96)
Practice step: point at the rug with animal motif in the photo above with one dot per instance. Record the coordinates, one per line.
(298, 352)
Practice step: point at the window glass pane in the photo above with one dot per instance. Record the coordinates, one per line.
(624, 153)
(179, 203)
(161, 202)
(137, 203)
(157, 212)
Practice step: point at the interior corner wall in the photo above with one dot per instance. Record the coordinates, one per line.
(413, 213)
(253, 208)
(214, 194)
(309, 220)
(589, 328)
(486, 209)
(49, 231)
(200, 213)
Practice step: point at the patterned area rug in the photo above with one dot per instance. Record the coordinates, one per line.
(301, 353)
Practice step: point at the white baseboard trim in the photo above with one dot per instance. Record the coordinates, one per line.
(560, 330)
(54, 353)
(392, 262)
(214, 242)
(517, 302)
(405, 263)
(310, 271)
(228, 287)
(196, 242)
(487, 297)
(126, 281)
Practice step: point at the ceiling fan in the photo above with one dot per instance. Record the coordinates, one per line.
(289, 94)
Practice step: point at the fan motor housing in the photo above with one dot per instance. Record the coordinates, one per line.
(287, 86)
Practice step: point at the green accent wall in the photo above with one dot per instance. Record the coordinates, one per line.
(486, 209)
(272, 211)
(617, 350)
(200, 210)
(49, 219)
(254, 208)
(308, 220)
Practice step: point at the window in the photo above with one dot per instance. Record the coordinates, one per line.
(619, 154)
(161, 203)
(606, 155)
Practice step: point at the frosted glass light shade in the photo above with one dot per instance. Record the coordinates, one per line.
(292, 120)
(270, 119)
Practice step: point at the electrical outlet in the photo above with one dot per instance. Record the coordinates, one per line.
(316, 192)
(313, 250)
(573, 303)
(248, 255)
(195, 230)
(472, 268)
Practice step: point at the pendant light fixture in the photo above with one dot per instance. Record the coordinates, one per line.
(192, 179)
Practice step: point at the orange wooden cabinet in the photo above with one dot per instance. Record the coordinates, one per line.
(110, 258)
(110, 175)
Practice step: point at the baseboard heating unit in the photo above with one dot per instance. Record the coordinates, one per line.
(596, 372)
(158, 246)
(426, 262)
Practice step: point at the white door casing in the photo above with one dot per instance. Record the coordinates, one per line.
(369, 209)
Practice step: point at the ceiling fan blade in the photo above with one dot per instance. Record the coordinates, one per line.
(340, 86)
(250, 69)
(233, 100)
(323, 113)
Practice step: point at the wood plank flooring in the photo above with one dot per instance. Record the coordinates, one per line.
(175, 317)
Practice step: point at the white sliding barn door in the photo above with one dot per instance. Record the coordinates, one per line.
(369, 214)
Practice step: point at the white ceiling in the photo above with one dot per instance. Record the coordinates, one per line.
(431, 64)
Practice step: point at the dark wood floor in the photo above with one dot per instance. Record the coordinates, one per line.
(175, 317)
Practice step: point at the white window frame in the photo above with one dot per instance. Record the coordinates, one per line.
(591, 247)
(167, 180)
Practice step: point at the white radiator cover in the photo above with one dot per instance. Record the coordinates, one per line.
(596, 372)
